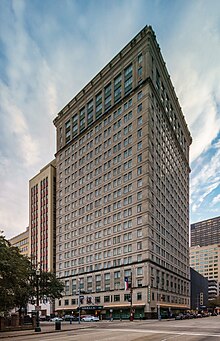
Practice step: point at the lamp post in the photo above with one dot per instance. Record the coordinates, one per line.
(158, 303)
(37, 328)
(79, 299)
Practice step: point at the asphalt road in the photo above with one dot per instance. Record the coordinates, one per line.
(202, 329)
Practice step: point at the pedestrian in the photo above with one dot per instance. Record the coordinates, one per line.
(140, 316)
(71, 319)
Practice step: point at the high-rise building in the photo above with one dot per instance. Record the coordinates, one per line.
(123, 189)
(42, 211)
(21, 241)
(206, 232)
(206, 260)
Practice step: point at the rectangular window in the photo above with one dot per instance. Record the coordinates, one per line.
(140, 120)
(139, 145)
(140, 71)
(139, 158)
(139, 271)
(140, 58)
(139, 108)
(116, 298)
(106, 299)
(128, 79)
(139, 133)
(139, 296)
(140, 95)
(139, 170)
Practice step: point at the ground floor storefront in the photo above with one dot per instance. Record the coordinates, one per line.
(124, 312)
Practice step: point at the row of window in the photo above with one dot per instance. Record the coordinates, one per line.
(102, 102)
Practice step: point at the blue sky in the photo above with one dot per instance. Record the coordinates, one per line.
(50, 49)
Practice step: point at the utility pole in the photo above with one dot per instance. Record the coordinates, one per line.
(37, 328)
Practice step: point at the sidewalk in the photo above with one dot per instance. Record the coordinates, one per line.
(46, 328)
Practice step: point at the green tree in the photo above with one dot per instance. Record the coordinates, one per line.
(15, 270)
(50, 287)
(18, 280)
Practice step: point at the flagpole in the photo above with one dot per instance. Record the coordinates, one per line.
(131, 300)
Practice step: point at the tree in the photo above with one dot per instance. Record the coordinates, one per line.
(50, 287)
(14, 276)
(18, 280)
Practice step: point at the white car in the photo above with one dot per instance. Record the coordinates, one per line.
(54, 319)
(90, 318)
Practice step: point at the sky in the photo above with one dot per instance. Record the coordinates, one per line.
(49, 50)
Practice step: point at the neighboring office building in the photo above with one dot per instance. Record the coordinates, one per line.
(206, 260)
(42, 210)
(21, 241)
(123, 188)
(205, 232)
(199, 290)
(42, 220)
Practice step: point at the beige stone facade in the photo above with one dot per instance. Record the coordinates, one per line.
(21, 241)
(206, 260)
(123, 188)
(42, 201)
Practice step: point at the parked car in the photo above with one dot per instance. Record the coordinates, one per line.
(54, 319)
(71, 318)
(45, 318)
(90, 318)
(179, 317)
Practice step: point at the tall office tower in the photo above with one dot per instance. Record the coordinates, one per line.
(21, 241)
(42, 219)
(206, 260)
(206, 232)
(122, 189)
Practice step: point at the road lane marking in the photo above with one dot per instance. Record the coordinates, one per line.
(165, 332)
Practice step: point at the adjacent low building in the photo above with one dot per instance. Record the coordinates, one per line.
(22, 242)
(199, 290)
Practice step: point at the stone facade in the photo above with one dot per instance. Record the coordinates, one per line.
(123, 189)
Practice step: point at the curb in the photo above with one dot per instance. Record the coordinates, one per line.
(22, 333)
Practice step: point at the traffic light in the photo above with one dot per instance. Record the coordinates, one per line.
(201, 298)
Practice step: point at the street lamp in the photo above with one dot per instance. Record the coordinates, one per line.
(37, 328)
(131, 300)
(79, 298)
(158, 303)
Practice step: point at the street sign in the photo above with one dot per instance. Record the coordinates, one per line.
(38, 308)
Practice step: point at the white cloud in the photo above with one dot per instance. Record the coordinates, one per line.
(216, 200)
(195, 70)
(52, 52)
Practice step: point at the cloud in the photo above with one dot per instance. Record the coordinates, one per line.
(216, 200)
(205, 182)
(50, 50)
(195, 71)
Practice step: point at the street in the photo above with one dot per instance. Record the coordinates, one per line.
(185, 330)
